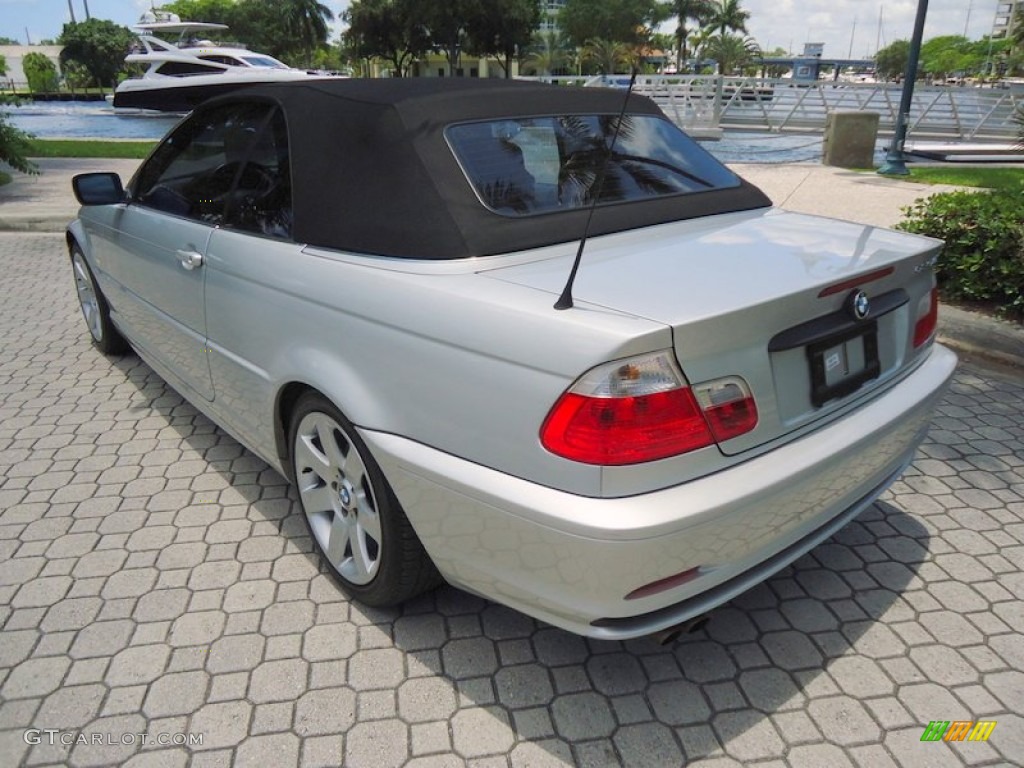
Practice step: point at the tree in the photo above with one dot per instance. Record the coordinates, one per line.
(684, 11)
(3, 66)
(209, 11)
(732, 52)
(774, 70)
(727, 16)
(891, 61)
(447, 23)
(386, 29)
(40, 72)
(1018, 26)
(8, 41)
(305, 22)
(606, 55)
(503, 29)
(99, 45)
(15, 146)
(947, 55)
(550, 53)
(621, 21)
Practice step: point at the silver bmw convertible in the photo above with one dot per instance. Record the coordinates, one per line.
(526, 339)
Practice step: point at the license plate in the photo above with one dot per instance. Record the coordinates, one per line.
(840, 364)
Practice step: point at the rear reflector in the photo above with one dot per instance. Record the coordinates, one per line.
(667, 583)
(927, 317)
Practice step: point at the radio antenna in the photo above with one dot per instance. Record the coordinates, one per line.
(565, 300)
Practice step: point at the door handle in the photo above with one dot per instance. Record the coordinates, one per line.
(190, 259)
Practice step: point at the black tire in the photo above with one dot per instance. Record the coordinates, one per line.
(357, 524)
(94, 306)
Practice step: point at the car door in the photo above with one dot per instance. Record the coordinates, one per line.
(254, 286)
(177, 199)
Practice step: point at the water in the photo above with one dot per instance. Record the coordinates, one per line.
(743, 147)
(87, 120)
(98, 120)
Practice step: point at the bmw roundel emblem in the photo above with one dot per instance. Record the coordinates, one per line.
(859, 305)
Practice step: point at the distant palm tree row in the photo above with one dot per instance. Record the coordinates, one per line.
(711, 34)
(705, 29)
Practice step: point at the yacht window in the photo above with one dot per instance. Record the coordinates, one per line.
(220, 59)
(186, 68)
(264, 61)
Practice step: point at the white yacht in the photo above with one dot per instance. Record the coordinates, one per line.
(181, 75)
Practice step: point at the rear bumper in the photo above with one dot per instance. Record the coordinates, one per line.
(571, 560)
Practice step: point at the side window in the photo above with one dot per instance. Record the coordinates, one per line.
(186, 68)
(262, 199)
(192, 173)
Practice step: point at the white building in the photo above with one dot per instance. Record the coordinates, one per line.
(13, 55)
(1006, 16)
(549, 14)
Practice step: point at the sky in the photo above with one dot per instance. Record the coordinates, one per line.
(841, 24)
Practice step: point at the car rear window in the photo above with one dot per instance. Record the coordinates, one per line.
(531, 165)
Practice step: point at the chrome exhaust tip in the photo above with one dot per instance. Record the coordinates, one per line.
(671, 634)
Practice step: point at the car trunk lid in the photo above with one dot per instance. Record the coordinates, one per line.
(765, 295)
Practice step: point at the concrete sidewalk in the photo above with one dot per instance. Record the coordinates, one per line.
(45, 203)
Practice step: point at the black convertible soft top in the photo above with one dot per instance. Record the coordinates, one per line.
(373, 173)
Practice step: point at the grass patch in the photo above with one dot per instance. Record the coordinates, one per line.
(972, 176)
(89, 148)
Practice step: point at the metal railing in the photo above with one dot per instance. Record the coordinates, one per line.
(702, 102)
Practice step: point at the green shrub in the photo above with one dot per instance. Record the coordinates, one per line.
(984, 255)
(40, 72)
(14, 143)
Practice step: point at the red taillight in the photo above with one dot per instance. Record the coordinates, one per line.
(641, 410)
(728, 406)
(927, 317)
(626, 430)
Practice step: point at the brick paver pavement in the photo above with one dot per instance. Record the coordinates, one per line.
(156, 579)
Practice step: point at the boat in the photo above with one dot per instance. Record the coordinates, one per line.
(181, 75)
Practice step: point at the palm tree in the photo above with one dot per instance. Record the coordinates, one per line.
(727, 16)
(551, 53)
(306, 21)
(732, 51)
(607, 55)
(699, 11)
(699, 41)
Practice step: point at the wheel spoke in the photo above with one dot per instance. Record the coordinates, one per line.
(317, 497)
(337, 544)
(362, 562)
(354, 469)
(369, 521)
(329, 440)
(307, 457)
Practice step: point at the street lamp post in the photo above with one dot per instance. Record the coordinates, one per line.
(895, 161)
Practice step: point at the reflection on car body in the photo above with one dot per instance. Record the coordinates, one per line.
(356, 279)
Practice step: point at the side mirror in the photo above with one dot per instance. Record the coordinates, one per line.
(98, 188)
